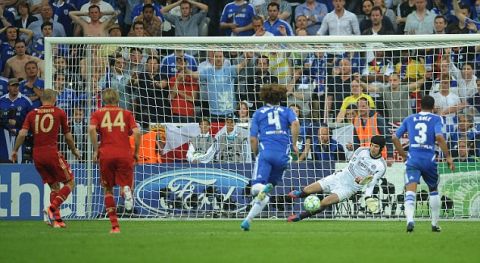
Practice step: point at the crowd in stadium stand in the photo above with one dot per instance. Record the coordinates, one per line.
(372, 90)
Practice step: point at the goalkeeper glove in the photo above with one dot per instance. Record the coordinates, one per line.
(372, 204)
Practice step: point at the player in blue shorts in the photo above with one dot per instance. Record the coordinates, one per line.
(424, 129)
(270, 133)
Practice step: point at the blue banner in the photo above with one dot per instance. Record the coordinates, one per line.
(160, 190)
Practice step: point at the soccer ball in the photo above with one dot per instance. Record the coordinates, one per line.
(311, 203)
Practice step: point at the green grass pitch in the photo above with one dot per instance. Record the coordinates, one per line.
(222, 241)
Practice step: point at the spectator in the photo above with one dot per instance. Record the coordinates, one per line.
(440, 24)
(14, 107)
(202, 148)
(7, 18)
(304, 141)
(67, 98)
(364, 18)
(32, 86)
(7, 48)
(314, 12)
(378, 26)
(261, 77)
(466, 80)
(105, 8)
(285, 9)
(95, 27)
(326, 148)
(367, 124)
(338, 87)
(300, 91)
(151, 23)
(61, 9)
(15, 65)
(152, 104)
(236, 18)
(465, 24)
(72, 80)
(464, 152)
(387, 13)
(38, 47)
(78, 126)
(46, 15)
(138, 9)
(26, 18)
(3, 87)
(404, 9)
(219, 81)
(397, 99)
(357, 93)
(98, 65)
(301, 25)
(183, 93)
(275, 25)
(258, 27)
(421, 21)
(243, 112)
(465, 129)
(339, 22)
(447, 105)
(135, 62)
(188, 24)
(168, 67)
(117, 78)
(233, 143)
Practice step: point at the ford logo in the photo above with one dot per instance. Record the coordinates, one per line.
(196, 190)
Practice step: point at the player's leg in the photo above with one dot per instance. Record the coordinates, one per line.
(125, 181)
(111, 209)
(324, 204)
(325, 185)
(54, 192)
(261, 175)
(62, 172)
(107, 173)
(431, 178)
(312, 188)
(412, 178)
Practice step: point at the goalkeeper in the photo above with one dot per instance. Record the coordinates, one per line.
(364, 170)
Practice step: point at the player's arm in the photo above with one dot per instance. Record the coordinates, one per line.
(295, 130)
(71, 145)
(136, 137)
(443, 146)
(20, 139)
(92, 131)
(254, 145)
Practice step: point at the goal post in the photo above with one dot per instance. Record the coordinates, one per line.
(193, 99)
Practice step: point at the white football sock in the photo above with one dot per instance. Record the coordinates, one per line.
(434, 201)
(257, 207)
(409, 205)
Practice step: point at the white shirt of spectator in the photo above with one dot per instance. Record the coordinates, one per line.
(345, 25)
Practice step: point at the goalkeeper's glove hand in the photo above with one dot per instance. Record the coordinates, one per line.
(372, 204)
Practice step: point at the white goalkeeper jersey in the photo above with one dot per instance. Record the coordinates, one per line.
(363, 165)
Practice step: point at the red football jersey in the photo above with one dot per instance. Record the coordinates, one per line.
(45, 123)
(114, 125)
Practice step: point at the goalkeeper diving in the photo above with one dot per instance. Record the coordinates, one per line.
(364, 170)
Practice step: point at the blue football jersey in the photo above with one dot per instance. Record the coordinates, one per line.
(422, 129)
(271, 125)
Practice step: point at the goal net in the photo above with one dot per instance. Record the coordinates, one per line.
(193, 99)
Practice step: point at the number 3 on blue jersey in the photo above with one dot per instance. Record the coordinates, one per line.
(421, 138)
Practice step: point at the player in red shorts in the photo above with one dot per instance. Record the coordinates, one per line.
(45, 123)
(116, 159)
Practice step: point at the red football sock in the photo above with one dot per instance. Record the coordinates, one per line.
(56, 213)
(61, 196)
(111, 210)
